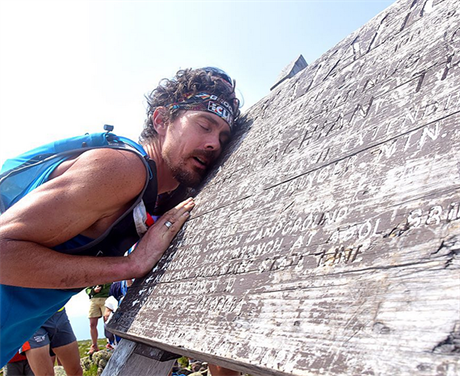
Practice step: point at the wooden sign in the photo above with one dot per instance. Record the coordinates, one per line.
(328, 240)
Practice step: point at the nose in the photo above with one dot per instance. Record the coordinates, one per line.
(213, 143)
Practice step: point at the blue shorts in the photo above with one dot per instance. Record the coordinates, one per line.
(55, 332)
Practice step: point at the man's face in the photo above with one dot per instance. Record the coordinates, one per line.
(192, 143)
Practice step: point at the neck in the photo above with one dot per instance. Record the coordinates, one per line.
(166, 181)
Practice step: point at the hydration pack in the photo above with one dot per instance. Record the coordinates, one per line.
(20, 175)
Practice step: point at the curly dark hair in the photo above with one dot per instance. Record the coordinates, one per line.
(188, 81)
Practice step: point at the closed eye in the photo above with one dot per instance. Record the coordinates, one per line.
(224, 140)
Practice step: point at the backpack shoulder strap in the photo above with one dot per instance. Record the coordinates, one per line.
(150, 193)
(122, 235)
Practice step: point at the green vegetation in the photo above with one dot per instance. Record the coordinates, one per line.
(92, 371)
(83, 346)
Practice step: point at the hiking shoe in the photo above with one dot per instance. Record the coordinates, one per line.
(93, 349)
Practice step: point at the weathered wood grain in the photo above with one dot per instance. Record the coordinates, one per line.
(328, 241)
(131, 359)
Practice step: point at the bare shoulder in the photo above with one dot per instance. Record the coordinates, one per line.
(116, 160)
(118, 172)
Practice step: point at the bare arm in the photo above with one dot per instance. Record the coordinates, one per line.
(84, 199)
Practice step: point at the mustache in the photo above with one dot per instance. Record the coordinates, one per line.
(210, 155)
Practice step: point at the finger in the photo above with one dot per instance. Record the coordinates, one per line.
(173, 220)
(178, 218)
(184, 203)
(168, 224)
(179, 210)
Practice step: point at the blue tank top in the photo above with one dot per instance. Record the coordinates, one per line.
(24, 310)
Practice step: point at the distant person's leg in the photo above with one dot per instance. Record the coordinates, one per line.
(70, 358)
(40, 361)
(94, 334)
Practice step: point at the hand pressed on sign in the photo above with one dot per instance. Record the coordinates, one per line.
(159, 237)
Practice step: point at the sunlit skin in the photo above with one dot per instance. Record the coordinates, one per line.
(187, 147)
(190, 157)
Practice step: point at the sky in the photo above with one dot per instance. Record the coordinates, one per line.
(69, 67)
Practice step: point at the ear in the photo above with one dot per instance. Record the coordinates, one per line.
(160, 120)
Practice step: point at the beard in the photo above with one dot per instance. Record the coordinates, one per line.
(186, 175)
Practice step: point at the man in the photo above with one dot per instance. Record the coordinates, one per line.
(97, 297)
(190, 120)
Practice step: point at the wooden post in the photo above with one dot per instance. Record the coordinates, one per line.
(134, 359)
(328, 240)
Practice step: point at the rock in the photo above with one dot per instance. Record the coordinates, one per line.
(59, 371)
(99, 359)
